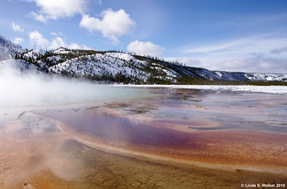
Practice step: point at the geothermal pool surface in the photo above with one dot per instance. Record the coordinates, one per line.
(151, 138)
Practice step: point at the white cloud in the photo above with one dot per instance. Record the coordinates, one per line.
(279, 50)
(38, 17)
(227, 46)
(243, 45)
(76, 46)
(57, 9)
(145, 48)
(211, 48)
(36, 38)
(258, 62)
(188, 61)
(16, 27)
(18, 40)
(54, 33)
(56, 43)
(247, 21)
(241, 54)
(57, 34)
(113, 25)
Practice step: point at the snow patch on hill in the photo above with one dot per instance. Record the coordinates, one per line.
(61, 51)
(122, 56)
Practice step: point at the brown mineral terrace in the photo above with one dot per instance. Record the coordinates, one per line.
(177, 139)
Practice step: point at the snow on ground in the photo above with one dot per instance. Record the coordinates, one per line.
(246, 88)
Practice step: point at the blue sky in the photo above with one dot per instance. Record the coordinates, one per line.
(231, 35)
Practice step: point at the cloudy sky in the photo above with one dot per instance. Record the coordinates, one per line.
(231, 35)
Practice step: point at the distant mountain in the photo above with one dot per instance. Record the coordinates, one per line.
(111, 66)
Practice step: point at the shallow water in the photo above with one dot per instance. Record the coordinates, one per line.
(165, 138)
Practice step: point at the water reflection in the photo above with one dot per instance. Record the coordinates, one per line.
(180, 123)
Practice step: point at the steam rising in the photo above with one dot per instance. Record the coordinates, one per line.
(33, 88)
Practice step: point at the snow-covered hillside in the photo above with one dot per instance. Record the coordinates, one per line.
(8, 49)
(121, 67)
(103, 65)
(266, 76)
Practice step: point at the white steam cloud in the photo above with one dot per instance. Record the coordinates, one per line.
(31, 88)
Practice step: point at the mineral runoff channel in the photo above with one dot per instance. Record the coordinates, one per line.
(172, 138)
